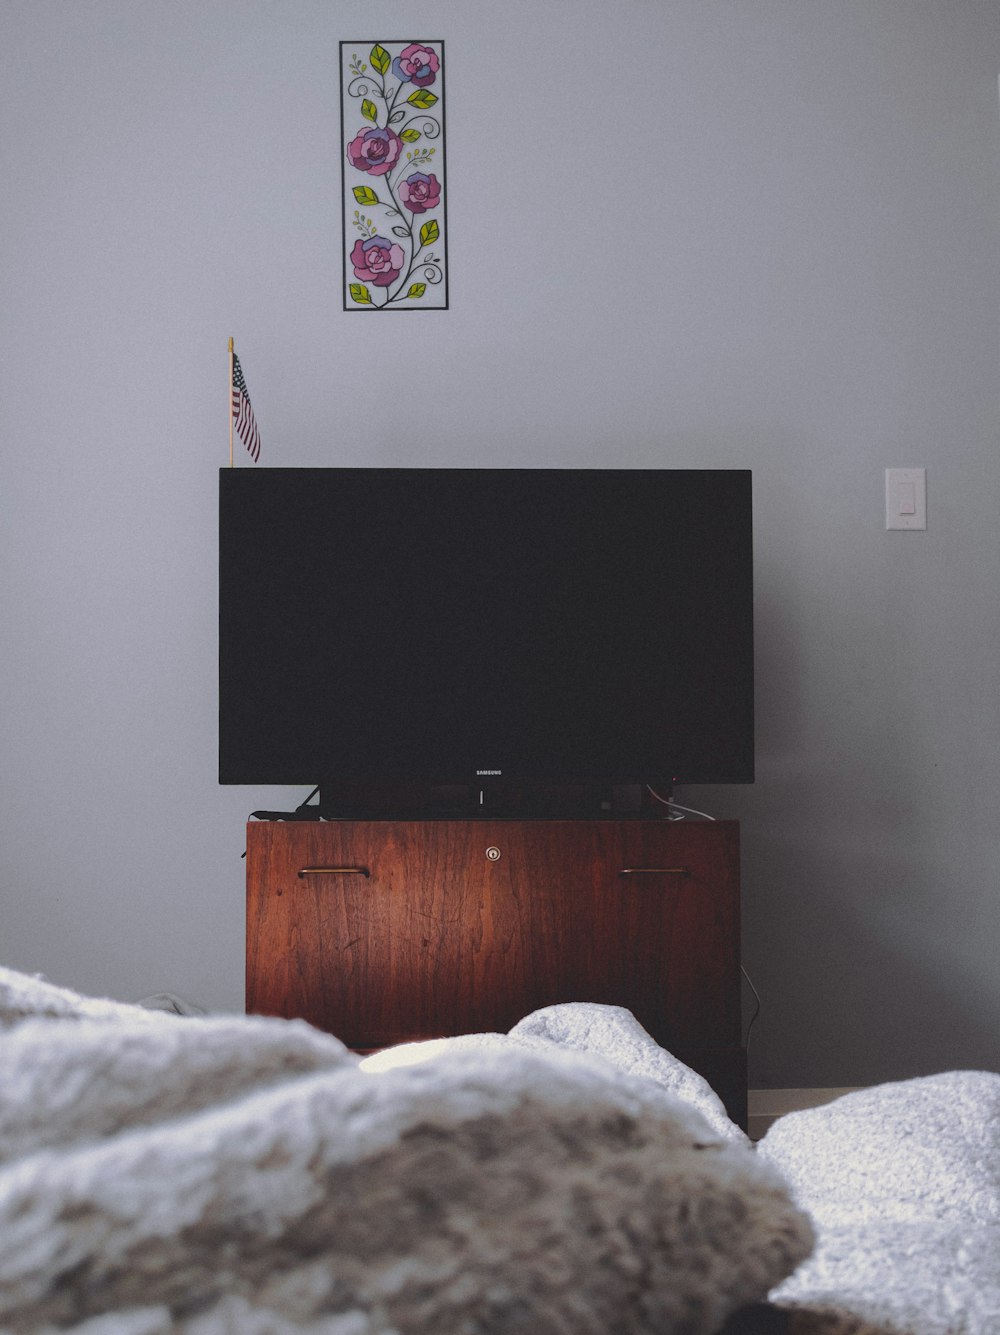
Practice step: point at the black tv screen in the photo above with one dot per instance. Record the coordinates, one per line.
(462, 626)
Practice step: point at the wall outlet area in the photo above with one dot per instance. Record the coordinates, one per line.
(905, 498)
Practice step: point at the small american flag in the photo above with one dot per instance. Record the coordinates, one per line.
(246, 423)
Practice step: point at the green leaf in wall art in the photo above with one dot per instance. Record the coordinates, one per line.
(394, 197)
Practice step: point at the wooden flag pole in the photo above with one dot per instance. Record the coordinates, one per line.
(230, 401)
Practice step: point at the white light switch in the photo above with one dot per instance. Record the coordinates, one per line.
(906, 498)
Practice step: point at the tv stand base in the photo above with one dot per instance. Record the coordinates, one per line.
(478, 801)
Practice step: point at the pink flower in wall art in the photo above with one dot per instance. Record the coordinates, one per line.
(392, 162)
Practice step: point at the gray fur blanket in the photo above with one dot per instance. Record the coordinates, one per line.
(225, 1175)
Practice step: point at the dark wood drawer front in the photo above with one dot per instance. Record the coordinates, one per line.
(383, 931)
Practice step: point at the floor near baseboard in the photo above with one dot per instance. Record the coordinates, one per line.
(765, 1106)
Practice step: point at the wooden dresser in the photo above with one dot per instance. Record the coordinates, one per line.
(383, 931)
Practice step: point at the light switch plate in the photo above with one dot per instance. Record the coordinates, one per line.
(906, 498)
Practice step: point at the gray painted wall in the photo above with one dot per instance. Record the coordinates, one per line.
(691, 233)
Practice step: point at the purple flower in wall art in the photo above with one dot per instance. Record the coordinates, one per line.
(392, 136)
(377, 260)
(417, 64)
(419, 192)
(374, 151)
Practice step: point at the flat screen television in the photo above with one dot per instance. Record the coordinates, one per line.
(485, 628)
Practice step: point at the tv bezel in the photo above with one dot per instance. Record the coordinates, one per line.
(740, 771)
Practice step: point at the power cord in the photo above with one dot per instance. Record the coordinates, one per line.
(756, 996)
(672, 806)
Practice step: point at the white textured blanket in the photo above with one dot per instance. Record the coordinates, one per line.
(244, 1175)
(902, 1182)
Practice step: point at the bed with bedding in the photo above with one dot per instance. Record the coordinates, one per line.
(228, 1174)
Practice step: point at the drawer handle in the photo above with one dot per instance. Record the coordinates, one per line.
(334, 871)
(655, 871)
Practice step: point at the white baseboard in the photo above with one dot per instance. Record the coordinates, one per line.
(765, 1106)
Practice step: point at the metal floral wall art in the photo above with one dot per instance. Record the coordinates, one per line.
(392, 160)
